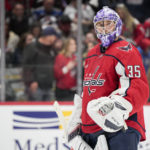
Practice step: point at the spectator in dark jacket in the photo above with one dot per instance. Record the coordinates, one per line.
(19, 22)
(38, 63)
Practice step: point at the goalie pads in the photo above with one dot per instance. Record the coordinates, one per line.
(73, 128)
(109, 113)
(101, 143)
(79, 144)
(75, 118)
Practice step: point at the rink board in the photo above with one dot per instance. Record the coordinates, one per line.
(35, 126)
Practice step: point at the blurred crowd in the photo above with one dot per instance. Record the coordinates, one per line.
(41, 45)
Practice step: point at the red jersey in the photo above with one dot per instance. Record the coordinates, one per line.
(119, 70)
(68, 80)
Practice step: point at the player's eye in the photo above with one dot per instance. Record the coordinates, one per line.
(100, 24)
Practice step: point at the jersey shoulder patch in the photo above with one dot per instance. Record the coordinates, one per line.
(127, 47)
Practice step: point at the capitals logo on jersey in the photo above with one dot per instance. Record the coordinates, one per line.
(94, 82)
(125, 48)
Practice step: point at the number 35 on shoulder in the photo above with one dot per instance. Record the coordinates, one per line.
(134, 71)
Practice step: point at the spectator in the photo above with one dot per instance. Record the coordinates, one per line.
(139, 34)
(47, 15)
(38, 66)
(142, 32)
(129, 22)
(145, 53)
(25, 39)
(58, 45)
(11, 41)
(147, 28)
(90, 37)
(87, 15)
(61, 4)
(65, 71)
(136, 8)
(89, 42)
(36, 30)
(89, 46)
(19, 22)
(64, 26)
(71, 11)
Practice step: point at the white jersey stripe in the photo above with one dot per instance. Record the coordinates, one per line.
(124, 80)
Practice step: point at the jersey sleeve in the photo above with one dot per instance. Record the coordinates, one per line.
(133, 84)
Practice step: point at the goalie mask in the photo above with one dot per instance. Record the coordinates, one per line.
(108, 25)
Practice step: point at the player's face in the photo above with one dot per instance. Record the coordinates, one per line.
(105, 26)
